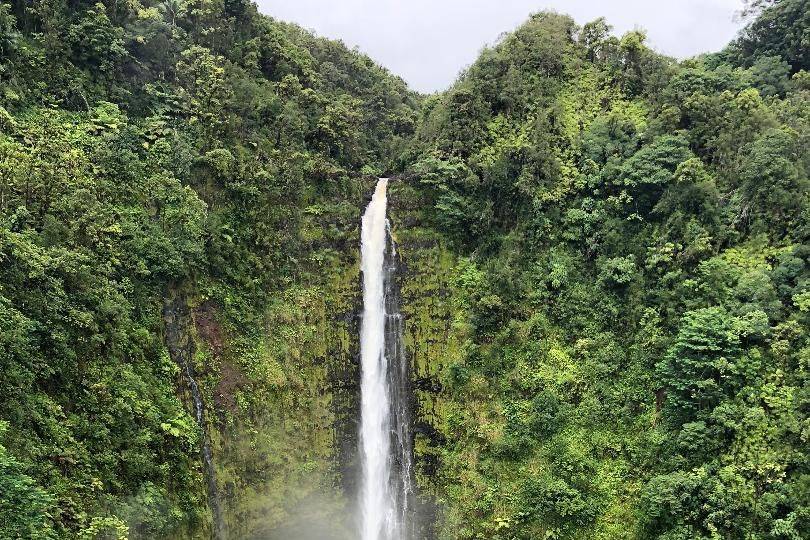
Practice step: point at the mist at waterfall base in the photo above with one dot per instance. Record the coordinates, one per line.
(316, 517)
(385, 438)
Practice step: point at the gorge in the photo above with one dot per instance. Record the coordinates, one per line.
(254, 287)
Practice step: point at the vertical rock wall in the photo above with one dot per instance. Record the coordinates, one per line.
(431, 340)
(283, 397)
(283, 390)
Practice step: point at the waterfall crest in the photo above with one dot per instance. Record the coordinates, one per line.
(385, 435)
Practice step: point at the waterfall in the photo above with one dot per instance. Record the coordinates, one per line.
(385, 434)
(181, 349)
(207, 456)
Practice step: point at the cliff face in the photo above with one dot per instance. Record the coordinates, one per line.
(433, 336)
(282, 399)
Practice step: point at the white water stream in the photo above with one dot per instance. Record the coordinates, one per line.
(384, 433)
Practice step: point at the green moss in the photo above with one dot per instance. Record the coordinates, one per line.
(274, 384)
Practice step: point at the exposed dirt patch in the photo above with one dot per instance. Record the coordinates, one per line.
(231, 379)
(208, 328)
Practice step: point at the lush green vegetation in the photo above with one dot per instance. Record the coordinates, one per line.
(150, 150)
(607, 284)
(633, 286)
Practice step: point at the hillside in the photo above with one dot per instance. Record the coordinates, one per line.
(604, 269)
(178, 181)
(630, 297)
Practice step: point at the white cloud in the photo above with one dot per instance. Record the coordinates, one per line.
(428, 42)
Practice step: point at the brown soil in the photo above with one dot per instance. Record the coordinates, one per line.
(231, 378)
(208, 328)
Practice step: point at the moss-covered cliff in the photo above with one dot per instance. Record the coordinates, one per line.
(283, 397)
(434, 334)
(284, 394)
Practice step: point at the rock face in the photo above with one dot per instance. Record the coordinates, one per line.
(283, 398)
(282, 395)
(425, 267)
(400, 382)
(182, 347)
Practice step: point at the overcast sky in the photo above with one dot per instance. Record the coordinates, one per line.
(427, 42)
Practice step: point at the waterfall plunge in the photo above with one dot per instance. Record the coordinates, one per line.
(385, 437)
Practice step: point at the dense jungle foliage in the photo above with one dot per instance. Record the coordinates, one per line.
(626, 239)
(634, 284)
(148, 150)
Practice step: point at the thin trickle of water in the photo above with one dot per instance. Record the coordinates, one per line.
(219, 532)
(385, 436)
(178, 319)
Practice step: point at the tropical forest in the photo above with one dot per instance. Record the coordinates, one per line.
(253, 286)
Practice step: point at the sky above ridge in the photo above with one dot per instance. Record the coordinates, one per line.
(428, 42)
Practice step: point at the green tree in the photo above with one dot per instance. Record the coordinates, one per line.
(26, 510)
